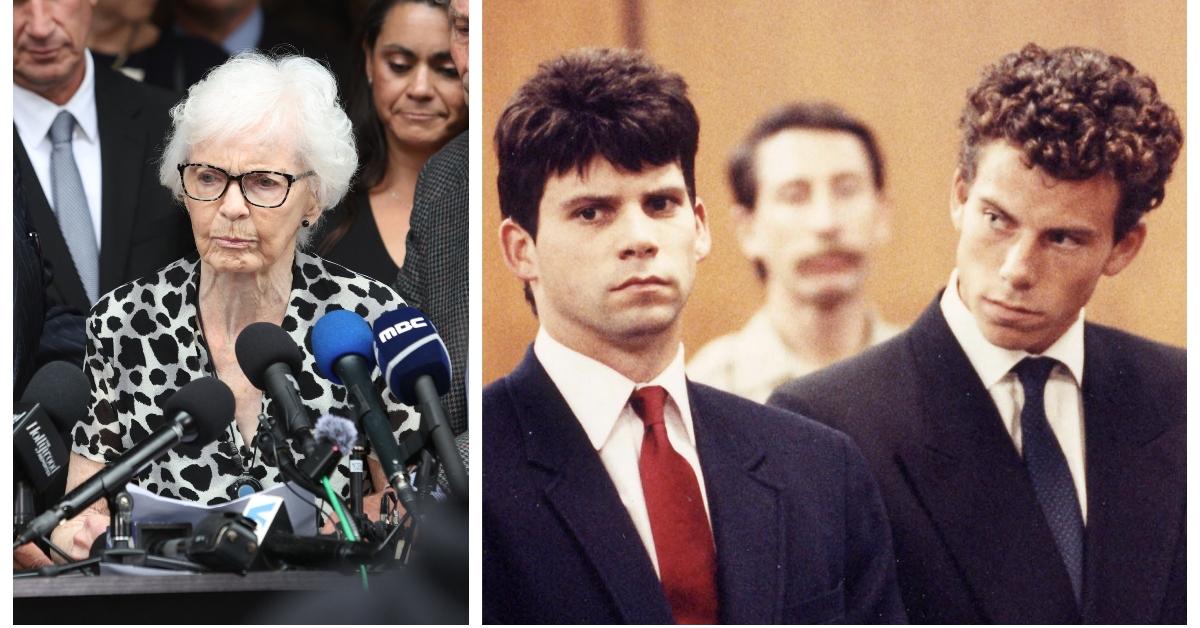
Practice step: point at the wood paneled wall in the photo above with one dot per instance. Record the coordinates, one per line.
(902, 66)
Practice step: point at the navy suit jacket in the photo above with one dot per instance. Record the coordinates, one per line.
(800, 532)
(972, 545)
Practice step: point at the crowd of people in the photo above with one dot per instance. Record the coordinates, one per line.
(175, 170)
(1002, 460)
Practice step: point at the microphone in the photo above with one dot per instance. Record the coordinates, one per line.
(342, 346)
(196, 414)
(416, 365)
(55, 399)
(338, 432)
(267, 356)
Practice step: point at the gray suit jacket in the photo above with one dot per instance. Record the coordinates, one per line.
(436, 271)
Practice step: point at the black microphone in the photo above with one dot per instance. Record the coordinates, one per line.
(342, 346)
(267, 356)
(196, 414)
(416, 366)
(317, 552)
(55, 399)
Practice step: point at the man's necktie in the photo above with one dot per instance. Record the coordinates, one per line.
(1048, 469)
(683, 540)
(70, 205)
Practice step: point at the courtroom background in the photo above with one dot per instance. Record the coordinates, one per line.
(904, 67)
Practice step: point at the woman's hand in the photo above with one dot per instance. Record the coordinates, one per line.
(76, 536)
(28, 556)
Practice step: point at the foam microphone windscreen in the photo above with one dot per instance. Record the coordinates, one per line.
(62, 390)
(262, 344)
(336, 430)
(209, 402)
(407, 346)
(338, 334)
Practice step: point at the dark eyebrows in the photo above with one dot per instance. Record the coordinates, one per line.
(587, 199)
(441, 56)
(995, 206)
(678, 192)
(1082, 233)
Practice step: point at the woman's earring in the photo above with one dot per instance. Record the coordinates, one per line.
(304, 223)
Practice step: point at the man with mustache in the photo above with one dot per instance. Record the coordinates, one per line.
(1033, 464)
(810, 208)
(615, 490)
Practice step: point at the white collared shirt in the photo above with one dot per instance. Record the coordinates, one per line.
(1064, 393)
(753, 361)
(245, 37)
(599, 398)
(33, 116)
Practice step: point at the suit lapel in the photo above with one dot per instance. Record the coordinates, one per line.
(1135, 508)
(122, 162)
(966, 471)
(43, 220)
(580, 491)
(746, 516)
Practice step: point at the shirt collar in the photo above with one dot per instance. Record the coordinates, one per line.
(246, 36)
(992, 363)
(597, 394)
(33, 114)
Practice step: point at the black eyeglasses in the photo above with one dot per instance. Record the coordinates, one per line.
(261, 188)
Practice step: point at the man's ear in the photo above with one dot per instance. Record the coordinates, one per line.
(519, 249)
(958, 198)
(747, 231)
(703, 243)
(1125, 249)
(883, 218)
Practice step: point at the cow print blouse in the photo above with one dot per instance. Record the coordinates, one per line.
(145, 342)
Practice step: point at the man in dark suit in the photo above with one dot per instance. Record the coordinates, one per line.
(1033, 465)
(41, 334)
(109, 130)
(614, 489)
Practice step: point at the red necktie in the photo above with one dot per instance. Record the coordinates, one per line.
(683, 540)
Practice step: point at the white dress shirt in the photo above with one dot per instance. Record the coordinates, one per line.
(599, 398)
(753, 361)
(33, 116)
(1064, 395)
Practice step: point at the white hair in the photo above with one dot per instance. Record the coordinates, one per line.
(289, 98)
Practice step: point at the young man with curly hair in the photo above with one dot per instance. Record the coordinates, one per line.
(614, 489)
(1032, 464)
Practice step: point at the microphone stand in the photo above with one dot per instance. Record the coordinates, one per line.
(358, 465)
(120, 550)
(24, 504)
(434, 423)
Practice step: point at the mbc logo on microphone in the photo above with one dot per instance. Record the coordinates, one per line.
(401, 327)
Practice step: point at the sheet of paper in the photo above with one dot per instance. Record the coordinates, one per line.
(148, 507)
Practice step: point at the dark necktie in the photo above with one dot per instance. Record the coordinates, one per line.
(683, 541)
(70, 205)
(1048, 469)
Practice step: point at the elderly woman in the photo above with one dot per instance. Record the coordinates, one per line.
(259, 149)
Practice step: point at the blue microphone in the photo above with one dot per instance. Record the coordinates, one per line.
(342, 346)
(416, 365)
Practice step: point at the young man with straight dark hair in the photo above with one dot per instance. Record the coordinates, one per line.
(615, 490)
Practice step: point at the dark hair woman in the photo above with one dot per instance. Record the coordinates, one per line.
(407, 104)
